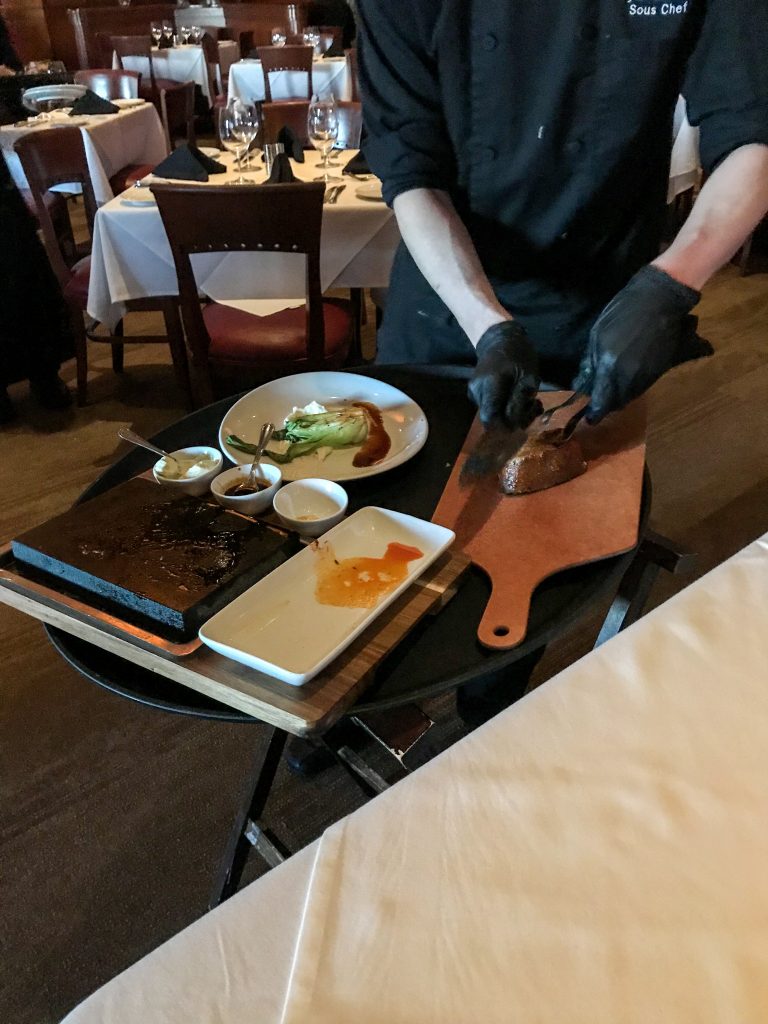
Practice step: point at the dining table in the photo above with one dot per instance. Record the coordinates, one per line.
(131, 257)
(185, 63)
(112, 141)
(330, 75)
(596, 853)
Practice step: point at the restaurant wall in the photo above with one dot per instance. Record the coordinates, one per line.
(26, 23)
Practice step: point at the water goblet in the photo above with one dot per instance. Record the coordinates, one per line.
(279, 37)
(323, 130)
(231, 136)
(184, 32)
(156, 30)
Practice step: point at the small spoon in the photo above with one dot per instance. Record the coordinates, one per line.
(267, 430)
(141, 442)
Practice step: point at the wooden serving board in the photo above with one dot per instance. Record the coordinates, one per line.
(520, 541)
(301, 710)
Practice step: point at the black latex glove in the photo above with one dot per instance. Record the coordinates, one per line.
(643, 332)
(506, 378)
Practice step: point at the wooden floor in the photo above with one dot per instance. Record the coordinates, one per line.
(112, 815)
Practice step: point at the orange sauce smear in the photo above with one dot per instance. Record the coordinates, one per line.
(360, 582)
(378, 442)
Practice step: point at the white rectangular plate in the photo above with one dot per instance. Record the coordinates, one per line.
(280, 629)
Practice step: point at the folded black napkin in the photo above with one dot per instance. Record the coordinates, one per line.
(187, 163)
(357, 165)
(90, 103)
(282, 172)
(291, 143)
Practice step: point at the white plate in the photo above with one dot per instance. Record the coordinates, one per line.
(370, 192)
(126, 104)
(148, 201)
(404, 421)
(278, 627)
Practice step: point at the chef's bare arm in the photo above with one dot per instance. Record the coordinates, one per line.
(445, 254)
(730, 206)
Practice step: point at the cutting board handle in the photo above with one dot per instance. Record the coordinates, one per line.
(505, 621)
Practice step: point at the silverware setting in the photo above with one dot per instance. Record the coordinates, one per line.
(332, 194)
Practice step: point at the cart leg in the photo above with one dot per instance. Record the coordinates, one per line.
(654, 554)
(247, 830)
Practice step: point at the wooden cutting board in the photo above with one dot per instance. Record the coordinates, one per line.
(520, 541)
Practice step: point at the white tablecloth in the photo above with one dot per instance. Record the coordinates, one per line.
(185, 64)
(594, 855)
(329, 74)
(131, 257)
(134, 136)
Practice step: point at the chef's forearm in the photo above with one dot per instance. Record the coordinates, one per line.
(445, 254)
(730, 206)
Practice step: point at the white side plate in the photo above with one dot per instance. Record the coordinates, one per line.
(279, 628)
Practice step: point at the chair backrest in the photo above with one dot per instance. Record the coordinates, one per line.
(210, 47)
(285, 58)
(285, 114)
(109, 84)
(177, 112)
(293, 114)
(49, 158)
(134, 46)
(354, 78)
(244, 218)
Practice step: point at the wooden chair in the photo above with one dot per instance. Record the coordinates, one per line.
(293, 114)
(141, 46)
(109, 84)
(54, 158)
(354, 77)
(230, 347)
(217, 86)
(285, 58)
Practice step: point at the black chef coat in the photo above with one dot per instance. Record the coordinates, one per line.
(549, 122)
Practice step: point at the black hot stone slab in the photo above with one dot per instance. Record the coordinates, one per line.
(158, 560)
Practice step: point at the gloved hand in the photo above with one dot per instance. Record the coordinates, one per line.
(643, 332)
(506, 378)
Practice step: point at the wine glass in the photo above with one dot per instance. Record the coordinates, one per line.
(232, 133)
(195, 33)
(311, 37)
(168, 32)
(124, 3)
(184, 32)
(245, 126)
(323, 130)
(156, 30)
(279, 37)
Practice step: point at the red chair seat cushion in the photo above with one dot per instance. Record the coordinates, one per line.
(240, 337)
(76, 289)
(129, 174)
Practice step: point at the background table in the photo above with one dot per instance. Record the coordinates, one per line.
(184, 63)
(112, 141)
(131, 258)
(329, 74)
(594, 854)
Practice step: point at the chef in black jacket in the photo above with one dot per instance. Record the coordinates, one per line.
(524, 146)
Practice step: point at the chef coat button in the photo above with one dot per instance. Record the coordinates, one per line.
(490, 42)
(564, 236)
(589, 32)
(573, 147)
(487, 154)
